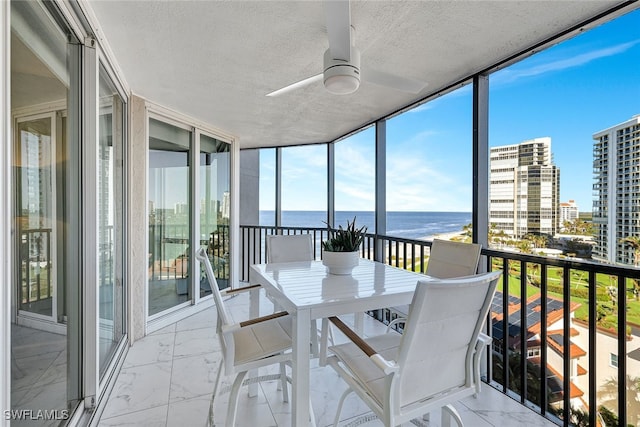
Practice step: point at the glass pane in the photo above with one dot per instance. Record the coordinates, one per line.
(563, 185)
(429, 176)
(304, 186)
(424, 146)
(355, 186)
(37, 213)
(215, 169)
(45, 341)
(169, 216)
(110, 220)
(268, 186)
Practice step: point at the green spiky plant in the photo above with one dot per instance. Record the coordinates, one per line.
(345, 239)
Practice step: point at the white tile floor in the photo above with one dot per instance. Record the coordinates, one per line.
(167, 378)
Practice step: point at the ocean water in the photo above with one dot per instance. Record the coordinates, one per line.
(409, 225)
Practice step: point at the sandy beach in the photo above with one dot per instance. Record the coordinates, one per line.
(406, 251)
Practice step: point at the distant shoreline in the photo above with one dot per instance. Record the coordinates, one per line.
(443, 236)
(407, 250)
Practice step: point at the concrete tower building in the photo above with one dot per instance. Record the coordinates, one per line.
(524, 188)
(616, 190)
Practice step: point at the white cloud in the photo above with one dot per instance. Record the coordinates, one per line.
(514, 73)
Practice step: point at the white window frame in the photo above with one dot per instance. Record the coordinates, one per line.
(613, 360)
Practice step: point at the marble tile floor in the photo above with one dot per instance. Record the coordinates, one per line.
(38, 371)
(167, 378)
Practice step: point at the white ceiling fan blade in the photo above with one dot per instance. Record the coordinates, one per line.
(294, 86)
(404, 84)
(339, 28)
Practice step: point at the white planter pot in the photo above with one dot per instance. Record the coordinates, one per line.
(340, 262)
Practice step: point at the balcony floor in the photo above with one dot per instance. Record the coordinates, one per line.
(167, 378)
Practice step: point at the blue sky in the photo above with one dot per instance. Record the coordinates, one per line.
(568, 92)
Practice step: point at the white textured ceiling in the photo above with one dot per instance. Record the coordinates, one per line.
(216, 60)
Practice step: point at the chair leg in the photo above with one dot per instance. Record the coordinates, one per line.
(216, 386)
(283, 382)
(233, 399)
(312, 416)
(450, 413)
(339, 410)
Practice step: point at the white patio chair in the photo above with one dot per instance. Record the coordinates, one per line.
(247, 345)
(449, 259)
(289, 248)
(292, 248)
(429, 366)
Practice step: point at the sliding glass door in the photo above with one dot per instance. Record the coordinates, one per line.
(36, 220)
(169, 216)
(215, 167)
(46, 355)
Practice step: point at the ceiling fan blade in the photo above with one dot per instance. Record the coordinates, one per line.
(339, 28)
(404, 84)
(294, 86)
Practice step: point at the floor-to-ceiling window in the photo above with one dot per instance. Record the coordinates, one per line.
(429, 170)
(111, 296)
(304, 186)
(46, 360)
(215, 168)
(563, 136)
(267, 186)
(355, 179)
(169, 215)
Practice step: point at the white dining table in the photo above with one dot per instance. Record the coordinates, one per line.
(307, 291)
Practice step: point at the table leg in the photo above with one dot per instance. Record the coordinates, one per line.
(300, 372)
(254, 311)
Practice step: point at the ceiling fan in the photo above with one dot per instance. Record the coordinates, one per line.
(341, 73)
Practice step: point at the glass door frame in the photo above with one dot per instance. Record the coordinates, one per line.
(45, 322)
(195, 265)
(6, 252)
(173, 314)
(161, 116)
(107, 379)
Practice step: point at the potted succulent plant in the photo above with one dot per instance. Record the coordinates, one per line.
(341, 249)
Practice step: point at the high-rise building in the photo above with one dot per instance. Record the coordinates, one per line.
(524, 188)
(616, 190)
(568, 211)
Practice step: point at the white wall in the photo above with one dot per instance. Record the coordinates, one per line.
(137, 218)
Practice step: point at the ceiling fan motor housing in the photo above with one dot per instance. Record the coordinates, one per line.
(342, 77)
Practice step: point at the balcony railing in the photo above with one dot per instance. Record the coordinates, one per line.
(35, 265)
(557, 320)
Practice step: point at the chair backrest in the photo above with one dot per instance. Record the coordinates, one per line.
(223, 314)
(453, 259)
(289, 248)
(436, 351)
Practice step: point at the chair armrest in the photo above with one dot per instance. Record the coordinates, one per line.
(263, 319)
(482, 342)
(386, 366)
(244, 288)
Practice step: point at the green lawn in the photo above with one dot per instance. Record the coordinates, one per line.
(579, 289)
